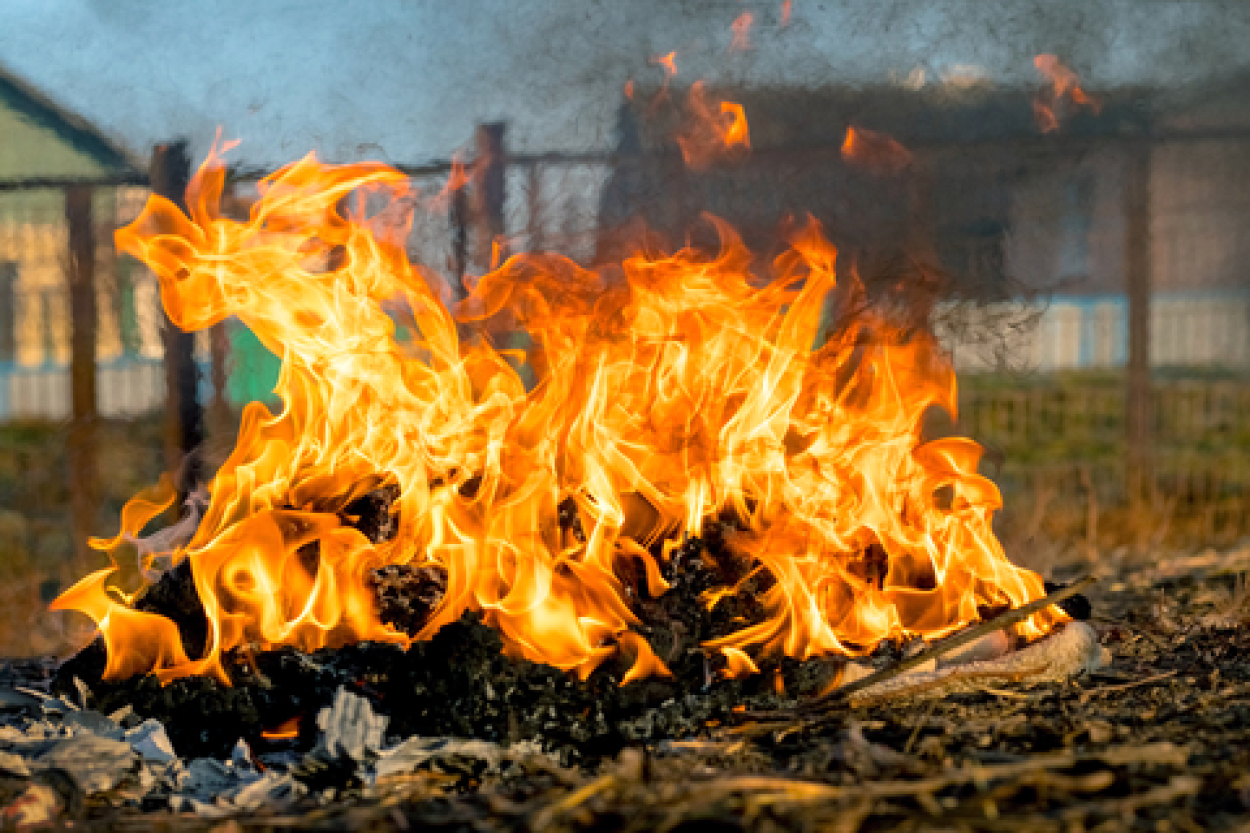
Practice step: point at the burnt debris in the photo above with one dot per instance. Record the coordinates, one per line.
(461, 682)
(408, 594)
(374, 514)
(1078, 606)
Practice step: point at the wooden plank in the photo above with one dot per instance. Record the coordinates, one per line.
(489, 169)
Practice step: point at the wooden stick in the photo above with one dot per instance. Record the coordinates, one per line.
(947, 645)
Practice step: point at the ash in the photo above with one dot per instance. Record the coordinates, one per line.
(454, 734)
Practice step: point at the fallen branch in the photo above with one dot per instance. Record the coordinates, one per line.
(1108, 689)
(1011, 617)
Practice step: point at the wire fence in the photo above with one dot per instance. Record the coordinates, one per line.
(1042, 382)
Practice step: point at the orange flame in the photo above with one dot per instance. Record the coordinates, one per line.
(288, 730)
(697, 388)
(669, 64)
(1064, 87)
(742, 32)
(874, 151)
(712, 134)
(457, 179)
(786, 8)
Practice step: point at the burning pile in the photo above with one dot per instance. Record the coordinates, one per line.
(678, 397)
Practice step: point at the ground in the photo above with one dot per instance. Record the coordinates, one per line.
(1158, 740)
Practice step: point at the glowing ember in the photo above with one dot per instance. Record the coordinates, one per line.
(692, 391)
(289, 730)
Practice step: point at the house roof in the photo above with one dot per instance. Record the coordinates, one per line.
(24, 99)
(794, 117)
(1220, 105)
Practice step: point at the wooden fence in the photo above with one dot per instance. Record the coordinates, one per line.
(1062, 439)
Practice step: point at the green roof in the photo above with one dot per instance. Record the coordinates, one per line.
(31, 117)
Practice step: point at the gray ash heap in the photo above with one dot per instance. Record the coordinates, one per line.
(460, 683)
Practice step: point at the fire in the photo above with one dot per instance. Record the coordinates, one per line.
(1064, 87)
(668, 63)
(696, 390)
(288, 730)
(457, 179)
(742, 32)
(874, 151)
(712, 134)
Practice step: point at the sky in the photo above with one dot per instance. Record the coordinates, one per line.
(405, 80)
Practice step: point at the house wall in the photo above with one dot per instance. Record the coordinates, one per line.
(1200, 206)
(1201, 330)
(34, 379)
(1067, 229)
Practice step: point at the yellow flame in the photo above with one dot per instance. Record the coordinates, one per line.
(692, 389)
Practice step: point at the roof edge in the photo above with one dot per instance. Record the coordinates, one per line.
(73, 128)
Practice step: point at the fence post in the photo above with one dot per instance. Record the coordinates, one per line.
(84, 488)
(184, 419)
(534, 207)
(1139, 467)
(488, 193)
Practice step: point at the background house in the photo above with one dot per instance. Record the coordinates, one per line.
(1027, 226)
(43, 149)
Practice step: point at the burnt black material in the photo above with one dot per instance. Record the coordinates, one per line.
(460, 683)
(1078, 606)
(202, 717)
(373, 513)
(407, 594)
(174, 597)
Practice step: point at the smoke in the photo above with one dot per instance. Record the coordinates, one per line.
(407, 81)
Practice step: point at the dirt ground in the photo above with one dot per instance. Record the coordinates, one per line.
(1158, 740)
